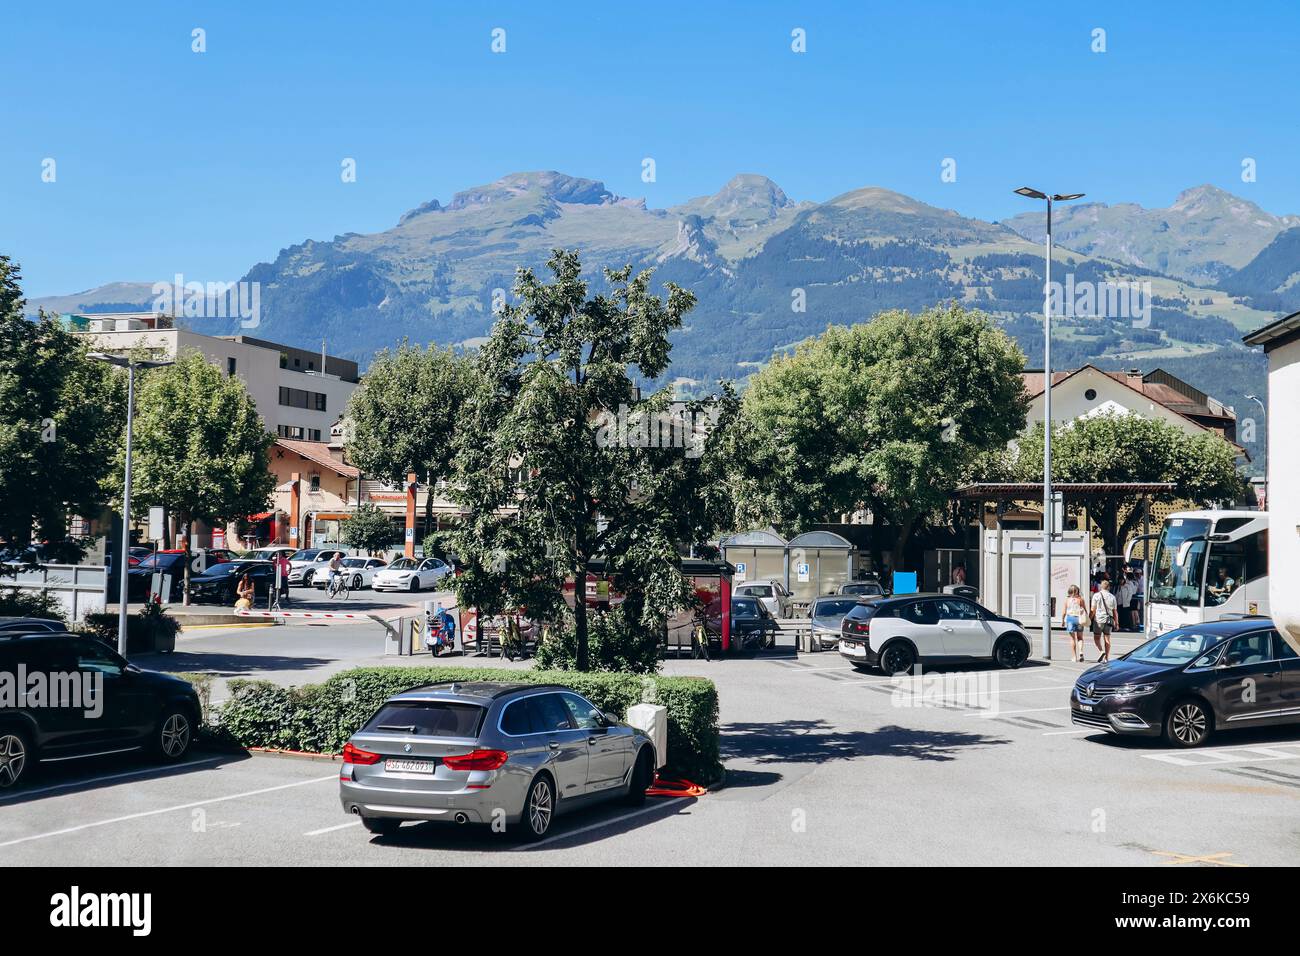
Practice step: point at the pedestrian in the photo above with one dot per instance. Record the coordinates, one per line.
(1139, 599)
(244, 594)
(959, 574)
(1105, 617)
(1074, 619)
(1124, 598)
(282, 562)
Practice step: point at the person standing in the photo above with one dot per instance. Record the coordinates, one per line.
(1124, 597)
(1074, 618)
(282, 563)
(1105, 617)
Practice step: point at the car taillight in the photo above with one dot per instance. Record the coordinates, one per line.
(353, 754)
(860, 627)
(477, 760)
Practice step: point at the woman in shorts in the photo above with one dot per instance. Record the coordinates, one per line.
(1074, 619)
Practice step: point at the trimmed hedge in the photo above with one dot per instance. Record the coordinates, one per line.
(320, 718)
(202, 684)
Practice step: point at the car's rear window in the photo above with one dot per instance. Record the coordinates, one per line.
(861, 612)
(434, 718)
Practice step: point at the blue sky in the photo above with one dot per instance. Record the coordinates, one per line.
(171, 161)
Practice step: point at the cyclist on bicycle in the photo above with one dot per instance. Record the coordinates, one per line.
(336, 570)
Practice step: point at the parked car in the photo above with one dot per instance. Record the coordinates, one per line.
(218, 584)
(30, 625)
(359, 572)
(139, 579)
(411, 574)
(461, 751)
(826, 615)
(307, 563)
(772, 594)
(863, 588)
(271, 553)
(222, 554)
(896, 633)
(752, 626)
(1192, 682)
(140, 710)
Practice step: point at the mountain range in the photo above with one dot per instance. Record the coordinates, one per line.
(769, 271)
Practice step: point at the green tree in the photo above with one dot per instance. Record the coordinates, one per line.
(402, 418)
(548, 471)
(892, 415)
(59, 410)
(369, 529)
(1128, 448)
(200, 447)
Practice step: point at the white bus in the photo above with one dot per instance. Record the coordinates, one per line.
(1207, 565)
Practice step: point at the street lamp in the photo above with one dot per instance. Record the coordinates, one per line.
(125, 552)
(1047, 414)
(1263, 411)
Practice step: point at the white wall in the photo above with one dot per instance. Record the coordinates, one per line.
(1284, 489)
(1069, 401)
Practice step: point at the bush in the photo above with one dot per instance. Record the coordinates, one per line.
(320, 718)
(613, 645)
(202, 684)
(18, 602)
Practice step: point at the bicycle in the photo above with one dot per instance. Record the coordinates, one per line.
(339, 587)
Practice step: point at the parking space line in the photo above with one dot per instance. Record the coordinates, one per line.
(154, 813)
(1221, 755)
(568, 834)
(162, 770)
(1004, 713)
(341, 826)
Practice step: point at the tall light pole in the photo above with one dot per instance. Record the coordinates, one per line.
(124, 552)
(1047, 415)
(1263, 411)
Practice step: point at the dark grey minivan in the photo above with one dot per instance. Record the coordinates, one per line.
(511, 755)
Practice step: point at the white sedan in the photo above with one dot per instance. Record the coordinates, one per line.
(411, 574)
(358, 572)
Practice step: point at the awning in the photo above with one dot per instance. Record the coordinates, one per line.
(260, 516)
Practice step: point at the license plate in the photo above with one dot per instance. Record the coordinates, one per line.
(1087, 707)
(856, 650)
(409, 766)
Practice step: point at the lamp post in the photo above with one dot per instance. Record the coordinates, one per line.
(125, 551)
(1263, 411)
(1047, 414)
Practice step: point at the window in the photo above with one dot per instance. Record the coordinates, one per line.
(92, 656)
(1282, 651)
(516, 720)
(434, 718)
(584, 714)
(957, 611)
(315, 482)
(1090, 394)
(549, 713)
(230, 366)
(320, 401)
(1248, 649)
(921, 612)
(314, 434)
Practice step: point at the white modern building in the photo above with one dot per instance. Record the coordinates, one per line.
(299, 393)
(1281, 342)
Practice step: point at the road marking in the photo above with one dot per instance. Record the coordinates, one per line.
(568, 834)
(114, 776)
(341, 826)
(154, 813)
(1221, 755)
(1002, 713)
(1213, 859)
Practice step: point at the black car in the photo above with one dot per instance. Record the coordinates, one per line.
(1193, 681)
(217, 585)
(139, 579)
(104, 706)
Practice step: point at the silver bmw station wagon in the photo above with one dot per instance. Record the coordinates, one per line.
(477, 752)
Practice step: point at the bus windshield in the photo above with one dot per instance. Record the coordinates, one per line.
(1179, 561)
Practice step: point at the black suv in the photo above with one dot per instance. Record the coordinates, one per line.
(64, 696)
(1192, 681)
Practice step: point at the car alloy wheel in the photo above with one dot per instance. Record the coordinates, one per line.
(1188, 724)
(13, 758)
(539, 809)
(1011, 653)
(897, 659)
(356, 582)
(174, 739)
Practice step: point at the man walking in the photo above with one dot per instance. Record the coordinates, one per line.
(1105, 618)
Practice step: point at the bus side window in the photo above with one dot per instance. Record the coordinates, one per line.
(1256, 548)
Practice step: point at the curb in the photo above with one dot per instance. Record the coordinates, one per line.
(290, 754)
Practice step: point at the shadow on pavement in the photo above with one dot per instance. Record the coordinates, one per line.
(816, 741)
(608, 820)
(226, 664)
(91, 773)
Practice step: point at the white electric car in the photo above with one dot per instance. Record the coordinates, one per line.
(896, 633)
(411, 574)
